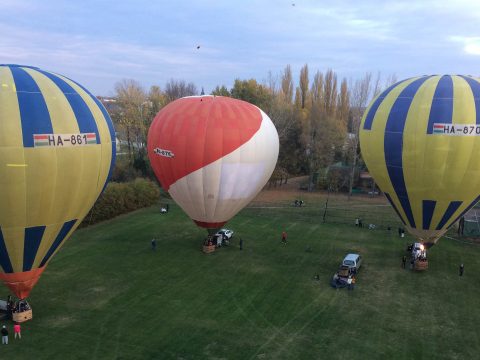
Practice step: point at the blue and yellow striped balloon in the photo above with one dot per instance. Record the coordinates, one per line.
(57, 150)
(420, 140)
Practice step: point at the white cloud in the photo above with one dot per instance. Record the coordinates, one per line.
(102, 59)
(471, 44)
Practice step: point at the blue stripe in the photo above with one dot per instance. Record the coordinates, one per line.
(33, 109)
(16, 65)
(373, 109)
(59, 239)
(33, 238)
(441, 110)
(4, 258)
(110, 129)
(472, 204)
(395, 208)
(452, 207)
(85, 118)
(475, 86)
(393, 144)
(428, 207)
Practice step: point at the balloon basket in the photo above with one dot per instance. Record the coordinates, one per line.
(421, 265)
(22, 316)
(207, 249)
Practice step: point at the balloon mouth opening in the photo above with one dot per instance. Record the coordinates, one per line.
(212, 227)
(23, 282)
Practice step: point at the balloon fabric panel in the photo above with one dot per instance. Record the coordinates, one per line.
(197, 134)
(216, 192)
(45, 189)
(213, 155)
(431, 177)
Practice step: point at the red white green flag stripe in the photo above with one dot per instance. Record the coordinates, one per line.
(62, 140)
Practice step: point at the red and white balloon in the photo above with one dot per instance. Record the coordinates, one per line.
(213, 155)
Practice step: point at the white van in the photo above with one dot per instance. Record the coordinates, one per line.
(353, 261)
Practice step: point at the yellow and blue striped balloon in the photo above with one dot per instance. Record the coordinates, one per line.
(420, 140)
(57, 150)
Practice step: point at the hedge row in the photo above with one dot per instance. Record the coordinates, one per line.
(121, 198)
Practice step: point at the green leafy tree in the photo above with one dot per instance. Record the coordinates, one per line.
(252, 92)
(221, 91)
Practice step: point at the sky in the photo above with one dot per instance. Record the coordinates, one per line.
(99, 43)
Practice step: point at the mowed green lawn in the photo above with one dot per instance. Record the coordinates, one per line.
(107, 295)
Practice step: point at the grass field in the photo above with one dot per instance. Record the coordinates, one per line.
(107, 295)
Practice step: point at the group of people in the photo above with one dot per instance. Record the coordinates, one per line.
(16, 329)
(298, 203)
(20, 306)
(359, 223)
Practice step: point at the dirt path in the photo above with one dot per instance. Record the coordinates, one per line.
(290, 191)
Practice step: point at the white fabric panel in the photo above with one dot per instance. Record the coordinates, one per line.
(240, 180)
(221, 189)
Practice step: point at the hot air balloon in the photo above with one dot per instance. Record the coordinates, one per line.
(213, 155)
(57, 149)
(420, 140)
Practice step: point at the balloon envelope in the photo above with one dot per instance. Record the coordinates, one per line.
(57, 149)
(213, 155)
(420, 140)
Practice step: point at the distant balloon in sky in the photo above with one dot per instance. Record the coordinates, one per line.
(57, 150)
(213, 155)
(420, 140)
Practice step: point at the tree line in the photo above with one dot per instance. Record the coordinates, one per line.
(317, 118)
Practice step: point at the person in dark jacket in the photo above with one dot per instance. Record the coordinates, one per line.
(460, 270)
(4, 335)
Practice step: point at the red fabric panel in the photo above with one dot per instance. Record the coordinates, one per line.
(208, 225)
(23, 282)
(198, 131)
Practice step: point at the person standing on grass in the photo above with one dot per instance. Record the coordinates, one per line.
(17, 330)
(460, 270)
(4, 335)
(241, 244)
(154, 244)
(284, 237)
(404, 261)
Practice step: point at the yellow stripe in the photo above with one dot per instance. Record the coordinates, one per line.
(61, 113)
(105, 138)
(14, 240)
(10, 124)
(48, 238)
(415, 158)
(12, 185)
(42, 251)
(372, 144)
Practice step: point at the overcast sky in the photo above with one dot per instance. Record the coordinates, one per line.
(98, 43)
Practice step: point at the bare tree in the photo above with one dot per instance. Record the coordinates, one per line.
(391, 79)
(131, 98)
(176, 89)
(358, 101)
